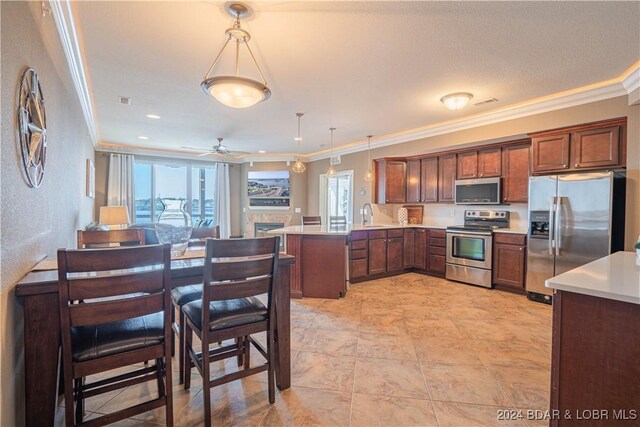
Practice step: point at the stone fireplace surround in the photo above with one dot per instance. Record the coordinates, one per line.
(251, 219)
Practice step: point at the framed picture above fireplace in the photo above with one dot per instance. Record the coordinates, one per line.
(268, 189)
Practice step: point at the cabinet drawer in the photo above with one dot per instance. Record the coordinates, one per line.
(437, 250)
(359, 253)
(437, 242)
(438, 234)
(395, 233)
(510, 239)
(377, 234)
(359, 244)
(358, 235)
(357, 268)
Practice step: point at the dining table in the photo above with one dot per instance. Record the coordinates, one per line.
(38, 292)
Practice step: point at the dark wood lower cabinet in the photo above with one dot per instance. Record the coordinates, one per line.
(377, 256)
(395, 260)
(509, 257)
(420, 249)
(407, 248)
(437, 252)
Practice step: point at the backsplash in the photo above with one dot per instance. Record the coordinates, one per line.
(450, 214)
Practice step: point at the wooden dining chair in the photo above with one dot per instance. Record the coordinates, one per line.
(115, 312)
(87, 239)
(235, 273)
(184, 294)
(311, 220)
(337, 221)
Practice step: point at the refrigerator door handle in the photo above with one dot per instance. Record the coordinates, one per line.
(557, 233)
(552, 205)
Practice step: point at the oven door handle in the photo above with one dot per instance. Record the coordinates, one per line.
(466, 233)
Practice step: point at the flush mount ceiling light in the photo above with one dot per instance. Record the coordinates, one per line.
(456, 101)
(236, 91)
(331, 171)
(298, 166)
(153, 116)
(369, 175)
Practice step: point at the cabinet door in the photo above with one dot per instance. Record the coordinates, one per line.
(396, 181)
(436, 263)
(377, 256)
(550, 153)
(429, 180)
(420, 249)
(508, 265)
(595, 147)
(357, 268)
(446, 177)
(395, 261)
(407, 248)
(413, 181)
(468, 165)
(515, 181)
(490, 163)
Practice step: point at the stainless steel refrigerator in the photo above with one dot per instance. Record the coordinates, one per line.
(573, 219)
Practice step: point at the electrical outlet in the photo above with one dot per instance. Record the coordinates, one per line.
(298, 210)
(452, 212)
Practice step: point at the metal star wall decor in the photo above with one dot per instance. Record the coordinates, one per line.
(32, 128)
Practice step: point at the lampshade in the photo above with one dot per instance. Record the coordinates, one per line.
(236, 92)
(456, 101)
(114, 215)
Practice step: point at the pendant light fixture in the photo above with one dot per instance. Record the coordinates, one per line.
(369, 175)
(331, 171)
(298, 166)
(236, 91)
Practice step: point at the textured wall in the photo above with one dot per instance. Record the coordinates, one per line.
(611, 108)
(35, 222)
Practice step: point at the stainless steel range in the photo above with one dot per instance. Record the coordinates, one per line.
(469, 246)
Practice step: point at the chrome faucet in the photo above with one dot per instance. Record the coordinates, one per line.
(364, 214)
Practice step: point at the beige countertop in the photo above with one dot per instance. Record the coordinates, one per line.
(615, 277)
(326, 230)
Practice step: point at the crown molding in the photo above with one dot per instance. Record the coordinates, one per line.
(632, 81)
(63, 17)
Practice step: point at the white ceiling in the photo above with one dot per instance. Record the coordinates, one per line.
(363, 67)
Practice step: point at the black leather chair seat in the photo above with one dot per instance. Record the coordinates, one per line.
(90, 342)
(228, 313)
(185, 294)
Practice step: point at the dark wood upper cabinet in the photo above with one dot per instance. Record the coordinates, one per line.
(595, 147)
(395, 260)
(413, 181)
(446, 177)
(490, 163)
(407, 248)
(429, 180)
(550, 153)
(468, 165)
(391, 181)
(515, 168)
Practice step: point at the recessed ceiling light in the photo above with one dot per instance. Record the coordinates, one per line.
(456, 101)
(153, 116)
(261, 151)
(143, 137)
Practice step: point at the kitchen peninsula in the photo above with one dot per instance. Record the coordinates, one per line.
(329, 258)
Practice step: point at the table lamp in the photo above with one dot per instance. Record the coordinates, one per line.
(112, 216)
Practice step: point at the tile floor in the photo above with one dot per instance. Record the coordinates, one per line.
(404, 351)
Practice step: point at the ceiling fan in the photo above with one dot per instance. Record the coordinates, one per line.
(217, 150)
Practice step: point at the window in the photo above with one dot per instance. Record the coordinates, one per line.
(174, 183)
(336, 196)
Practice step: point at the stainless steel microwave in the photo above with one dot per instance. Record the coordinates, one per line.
(483, 191)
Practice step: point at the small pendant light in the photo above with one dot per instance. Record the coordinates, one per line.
(298, 166)
(369, 175)
(331, 171)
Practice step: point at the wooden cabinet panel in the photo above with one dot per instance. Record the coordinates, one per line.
(595, 147)
(358, 254)
(359, 235)
(395, 261)
(446, 177)
(407, 248)
(437, 233)
(490, 163)
(397, 232)
(413, 181)
(508, 265)
(510, 239)
(420, 249)
(436, 263)
(358, 268)
(429, 180)
(377, 256)
(550, 153)
(515, 181)
(468, 165)
(391, 181)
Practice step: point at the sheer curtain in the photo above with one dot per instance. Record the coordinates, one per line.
(223, 200)
(120, 187)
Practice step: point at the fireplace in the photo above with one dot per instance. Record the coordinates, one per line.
(260, 230)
